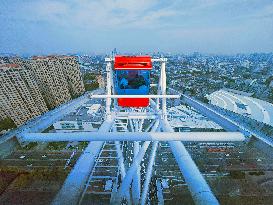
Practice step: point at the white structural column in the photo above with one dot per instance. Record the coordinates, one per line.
(120, 156)
(131, 125)
(115, 102)
(163, 87)
(150, 125)
(109, 75)
(140, 124)
(136, 178)
(148, 175)
(131, 171)
(200, 190)
(120, 159)
(75, 182)
(159, 92)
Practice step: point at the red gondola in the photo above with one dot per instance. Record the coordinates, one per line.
(132, 78)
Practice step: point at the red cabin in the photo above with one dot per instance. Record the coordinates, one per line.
(132, 78)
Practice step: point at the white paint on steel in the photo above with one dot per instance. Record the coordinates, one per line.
(164, 87)
(131, 171)
(108, 88)
(149, 173)
(134, 96)
(131, 136)
(74, 183)
(200, 190)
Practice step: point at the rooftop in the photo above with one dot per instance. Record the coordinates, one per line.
(9, 66)
(50, 57)
(254, 108)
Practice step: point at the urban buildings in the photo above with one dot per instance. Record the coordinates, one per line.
(59, 78)
(243, 104)
(2, 114)
(71, 69)
(87, 119)
(51, 80)
(237, 172)
(30, 86)
(20, 97)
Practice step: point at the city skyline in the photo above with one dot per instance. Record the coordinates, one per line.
(136, 102)
(206, 26)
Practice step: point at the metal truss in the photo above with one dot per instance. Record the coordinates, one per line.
(136, 133)
(135, 136)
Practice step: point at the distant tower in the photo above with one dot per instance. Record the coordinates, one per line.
(114, 52)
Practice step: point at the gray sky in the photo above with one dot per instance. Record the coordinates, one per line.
(97, 26)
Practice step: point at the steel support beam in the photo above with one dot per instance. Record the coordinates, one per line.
(150, 126)
(40, 123)
(132, 136)
(128, 114)
(135, 117)
(148, 175)
(109, 76)
(149, 170)
(134, 96)
(140, 125)
(200, 190)
(136, 178)
(159, 91)
(120, 159)
(123, 190)
(75, 182)
(163, 88)
(120, 156)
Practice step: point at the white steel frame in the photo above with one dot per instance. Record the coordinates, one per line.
(158, 129)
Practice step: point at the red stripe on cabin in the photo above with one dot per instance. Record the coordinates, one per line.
(133, 102)
(133, 63)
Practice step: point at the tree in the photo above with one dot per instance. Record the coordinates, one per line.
(6, 124)
(92, 86)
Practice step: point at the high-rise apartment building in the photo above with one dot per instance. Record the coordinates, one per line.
(71, 69)
(16, 60)
(2, 114)
(59, 78)
(20, 98)
(51, 79)
(4, 59)
(28, 87)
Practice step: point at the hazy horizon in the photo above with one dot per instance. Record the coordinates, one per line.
(80, 26)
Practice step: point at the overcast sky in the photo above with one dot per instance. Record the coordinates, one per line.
(98, 26)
